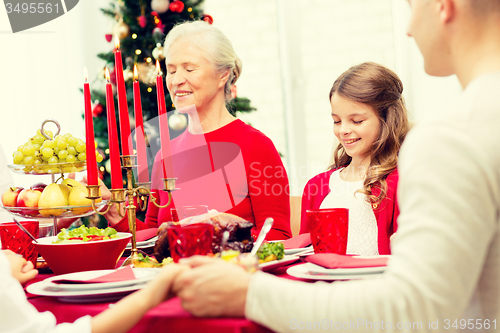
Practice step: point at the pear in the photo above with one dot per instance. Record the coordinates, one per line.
(53, 195)
(65, 190)
(78, 197)
(71, 183)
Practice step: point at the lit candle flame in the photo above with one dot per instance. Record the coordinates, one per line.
(85, 74)
(117, 42)
(158, 68)
(107, 75)
(136, 75)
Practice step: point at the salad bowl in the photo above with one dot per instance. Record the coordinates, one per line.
(77, 256)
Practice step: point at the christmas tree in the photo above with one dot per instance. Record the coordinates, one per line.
(141, 27)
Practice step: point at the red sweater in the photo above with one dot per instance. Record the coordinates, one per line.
(234, 169)
(386, 212)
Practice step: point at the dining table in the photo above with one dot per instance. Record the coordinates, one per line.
(168, 316)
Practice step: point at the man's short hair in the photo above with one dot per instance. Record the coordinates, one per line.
(485, 6)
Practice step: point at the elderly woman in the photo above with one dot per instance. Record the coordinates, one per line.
(219, 161)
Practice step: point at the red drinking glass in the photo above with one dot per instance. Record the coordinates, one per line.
(328, 229)
(18, 241)
(189, 240)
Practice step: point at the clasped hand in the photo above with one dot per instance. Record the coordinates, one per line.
(211, 287)
(21, 270)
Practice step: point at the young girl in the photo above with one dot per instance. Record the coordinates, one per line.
(370, 121)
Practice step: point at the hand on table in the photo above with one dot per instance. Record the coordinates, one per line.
(212, 287)
(22, 270)
(161, 286)
(112, 215)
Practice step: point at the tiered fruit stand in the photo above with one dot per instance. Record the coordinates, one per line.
(57, 172)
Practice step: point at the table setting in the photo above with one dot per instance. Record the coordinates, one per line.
(72, 295)
(89, 268)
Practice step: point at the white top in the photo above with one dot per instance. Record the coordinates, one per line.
(19, 316)
(445, 262)
(362, 236)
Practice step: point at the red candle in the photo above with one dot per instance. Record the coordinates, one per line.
(166, 152)
(114, 151)
(89, 133)
(126, 140)
(142, 158)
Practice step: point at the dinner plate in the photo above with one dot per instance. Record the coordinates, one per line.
(146, 243)
(43, 288)
(314, 272)
(268, 266)
(142, 275)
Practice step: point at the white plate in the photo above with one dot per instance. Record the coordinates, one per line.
(278, 263)
(315, 272)
(146, 243)
(292, 251)
(43, 288)
(142, 275)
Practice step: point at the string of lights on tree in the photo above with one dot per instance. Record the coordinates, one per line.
(141, 26)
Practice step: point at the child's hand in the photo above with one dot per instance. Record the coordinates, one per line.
(21, 270)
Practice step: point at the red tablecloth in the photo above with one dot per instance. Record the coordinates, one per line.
(168, 316)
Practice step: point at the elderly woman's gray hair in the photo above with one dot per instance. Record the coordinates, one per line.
(214, 46)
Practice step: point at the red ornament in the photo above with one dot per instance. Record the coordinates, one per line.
(142, 21)
(109, 37)
(233, 91)
(208, 18)
(154, 13)
(177, 6)
(97, 110)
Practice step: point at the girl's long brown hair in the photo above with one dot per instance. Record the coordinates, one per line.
(379, 87)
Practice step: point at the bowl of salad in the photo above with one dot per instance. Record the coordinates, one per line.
(83, 249)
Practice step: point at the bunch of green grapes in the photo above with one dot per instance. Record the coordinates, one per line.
(40, 151)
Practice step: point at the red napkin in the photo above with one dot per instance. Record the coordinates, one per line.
(123, 274)
(144, 234)
(297, 241)
(333, 260)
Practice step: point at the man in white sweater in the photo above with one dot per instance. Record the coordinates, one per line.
(444, 274)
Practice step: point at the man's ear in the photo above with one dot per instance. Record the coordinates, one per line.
(446, 10)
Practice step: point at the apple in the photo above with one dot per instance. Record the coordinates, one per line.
(9, 197)
(38, 186)
(29, 198)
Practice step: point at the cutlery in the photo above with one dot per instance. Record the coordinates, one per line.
(24, 229)
(268, 223)
(305, 252)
